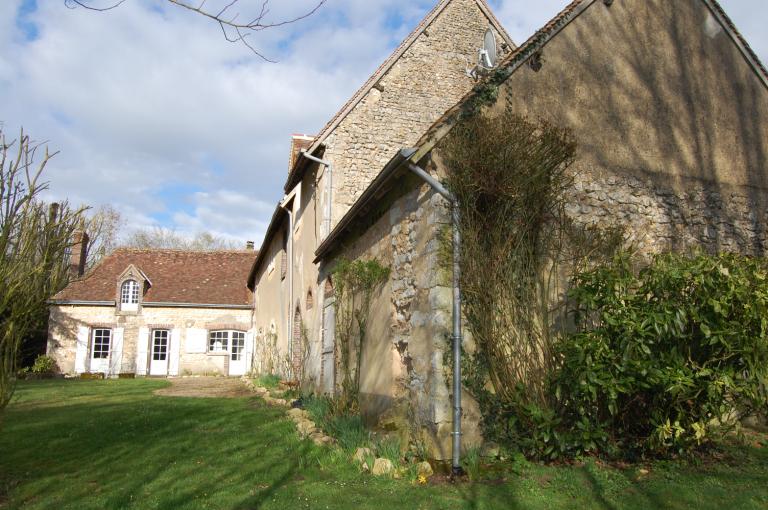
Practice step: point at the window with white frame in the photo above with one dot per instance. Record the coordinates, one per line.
(129, 295)
(227, 341)
(101, 340)
(223, 340)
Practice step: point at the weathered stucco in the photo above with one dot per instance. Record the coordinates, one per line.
(671, 124)
(66, 319)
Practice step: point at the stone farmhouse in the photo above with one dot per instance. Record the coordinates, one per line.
(419, 82)
(669, 106)
(155, 313)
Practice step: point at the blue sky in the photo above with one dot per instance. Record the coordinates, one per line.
(156, 114)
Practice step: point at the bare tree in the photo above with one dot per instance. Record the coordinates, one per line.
(34, 238)
(103, 227)
(163, 238)
(236, 29)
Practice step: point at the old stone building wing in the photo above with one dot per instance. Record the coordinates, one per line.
(419, 82)
(669, 107)
(156, 312)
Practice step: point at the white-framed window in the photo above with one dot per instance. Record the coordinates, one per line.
(129, 295)
(102, 338)
(223, 340)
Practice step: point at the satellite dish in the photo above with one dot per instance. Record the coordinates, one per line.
(489, 53)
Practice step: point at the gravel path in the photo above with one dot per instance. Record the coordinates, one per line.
(205, 387)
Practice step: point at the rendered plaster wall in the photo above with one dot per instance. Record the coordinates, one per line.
(670, 120)
(66, 319)
(427, 80)
(271, 311)
(403, 376)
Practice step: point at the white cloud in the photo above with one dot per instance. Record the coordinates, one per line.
(157, 114)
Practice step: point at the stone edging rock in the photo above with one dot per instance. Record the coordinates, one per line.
(305, 426)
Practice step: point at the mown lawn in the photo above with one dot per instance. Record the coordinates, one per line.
(113, 444)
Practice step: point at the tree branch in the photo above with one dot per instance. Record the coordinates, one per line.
(234, 31)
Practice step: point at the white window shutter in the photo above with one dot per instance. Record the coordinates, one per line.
(173, 362)
(116, 352)
(142, 346)
(81, 349)
(197, 341)
(248, 351)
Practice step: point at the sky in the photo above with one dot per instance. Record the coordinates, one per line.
(156, 114)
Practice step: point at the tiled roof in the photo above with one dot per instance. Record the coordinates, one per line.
(211, 278)
(383, 69)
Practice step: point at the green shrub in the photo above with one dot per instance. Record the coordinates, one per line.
(44, 365)
(665, 358)
(660, 361)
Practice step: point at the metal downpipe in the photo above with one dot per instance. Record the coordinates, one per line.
(456, 469)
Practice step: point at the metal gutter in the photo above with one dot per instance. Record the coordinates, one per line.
(156, 304)
(80, 302)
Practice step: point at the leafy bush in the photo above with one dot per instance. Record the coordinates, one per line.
(661, 361)
(665, 358)
(44, 365)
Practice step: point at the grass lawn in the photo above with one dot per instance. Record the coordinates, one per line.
(113, 444)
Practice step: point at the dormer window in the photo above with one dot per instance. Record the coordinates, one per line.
(129, 295)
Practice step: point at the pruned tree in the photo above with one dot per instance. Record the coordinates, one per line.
(103, 225)
(34, 238)
(235, 27)
(164, 238)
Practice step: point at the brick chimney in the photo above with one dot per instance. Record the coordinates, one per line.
(78, 253)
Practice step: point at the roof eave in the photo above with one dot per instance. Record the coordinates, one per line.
(274, 223)
(370, 194)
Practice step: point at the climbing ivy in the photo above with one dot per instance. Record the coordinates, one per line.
(355, 284)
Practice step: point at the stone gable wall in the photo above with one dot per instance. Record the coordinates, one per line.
(427, 80)
(671, 124)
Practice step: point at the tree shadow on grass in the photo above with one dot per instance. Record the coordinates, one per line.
(132, 449)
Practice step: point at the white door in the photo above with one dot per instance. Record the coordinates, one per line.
(101, 341)
(158, 361)
(237, 357)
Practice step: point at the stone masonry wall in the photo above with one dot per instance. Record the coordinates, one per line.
(659, 218)
(427, 80)
(403, 381)
(65, 320)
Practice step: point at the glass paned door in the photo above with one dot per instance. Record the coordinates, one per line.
(158, 364)
(237, 354)
(101, 342)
